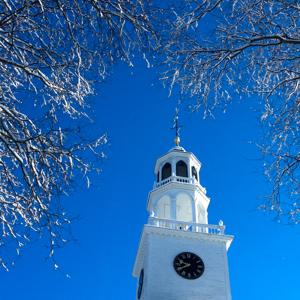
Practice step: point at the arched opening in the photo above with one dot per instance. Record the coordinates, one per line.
(201, 214)
(184, 208)
(166, 171)
(164, 208)
(181, 169)
(157, 179)
(194, 173)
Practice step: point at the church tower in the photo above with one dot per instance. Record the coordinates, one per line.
(180, 255)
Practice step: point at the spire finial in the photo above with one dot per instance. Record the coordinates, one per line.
(176, 127)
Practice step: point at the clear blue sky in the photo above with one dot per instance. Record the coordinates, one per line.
(134, 109)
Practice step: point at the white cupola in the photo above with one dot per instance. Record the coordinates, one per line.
(177, 193)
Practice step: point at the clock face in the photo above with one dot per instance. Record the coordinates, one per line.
(141, 281)
(188, 265)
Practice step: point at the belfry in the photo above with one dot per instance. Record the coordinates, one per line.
(181, 256)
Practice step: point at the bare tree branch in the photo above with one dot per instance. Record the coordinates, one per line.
(48, 51)
(218, 50)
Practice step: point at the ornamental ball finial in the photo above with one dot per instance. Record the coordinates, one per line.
(177, 140)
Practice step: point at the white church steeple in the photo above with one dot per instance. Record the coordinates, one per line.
(180, 255)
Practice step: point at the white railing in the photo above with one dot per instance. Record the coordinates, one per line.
(179, 179)
(186, 226)
(175, 179)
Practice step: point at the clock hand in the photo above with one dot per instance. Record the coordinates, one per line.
(181, 261)
(183, 267)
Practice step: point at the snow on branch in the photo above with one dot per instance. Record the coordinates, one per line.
(51, 53)
(219, 50)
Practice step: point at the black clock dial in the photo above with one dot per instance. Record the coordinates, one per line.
(188, 265)
(141, 281)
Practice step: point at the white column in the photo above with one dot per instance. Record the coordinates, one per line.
(173, 163)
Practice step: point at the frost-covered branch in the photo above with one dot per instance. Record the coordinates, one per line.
(218, 50)
(51, 53)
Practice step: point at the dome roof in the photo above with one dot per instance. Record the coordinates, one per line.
(177, 148)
